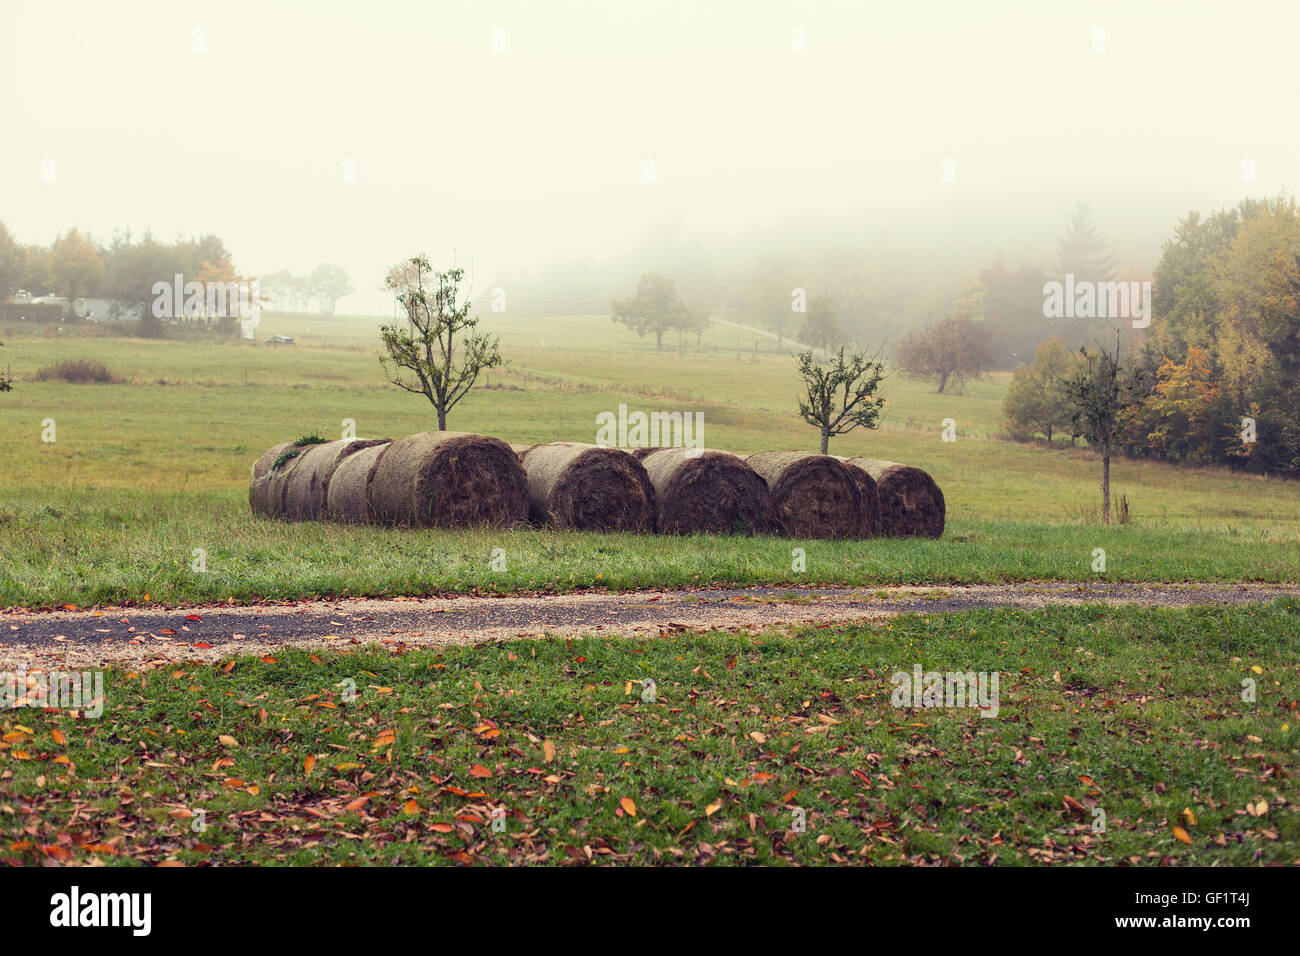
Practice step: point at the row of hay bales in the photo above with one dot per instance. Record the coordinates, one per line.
(453, 479)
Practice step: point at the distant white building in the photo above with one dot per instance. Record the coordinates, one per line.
(93, 310)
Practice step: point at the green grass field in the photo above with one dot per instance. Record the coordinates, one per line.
(1134, 712)
(1132, 719)
(143, 472)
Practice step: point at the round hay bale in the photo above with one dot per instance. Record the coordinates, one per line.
(870, 526)
(641, 454)
(266, 494)
(448, 480)
(588, 488)
(346, 493)
(911, 504)
(711, 493)
(306, 485)
(813, 496)
(259, 489)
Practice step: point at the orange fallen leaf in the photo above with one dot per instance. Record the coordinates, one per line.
(478, 770)
(410, 808)
(629, 807)
(59, 738)
(1181, 834)
(309, 764)
(548, 750)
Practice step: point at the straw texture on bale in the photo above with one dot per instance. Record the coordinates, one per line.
(911, 504)
(519, 449)
(448, 480)
(260, 485)
(346, 494)
(641, 454)
(813, 496)
(267, 494)
(306, 485)
(711, 492)
(870, 496)
(588, 488)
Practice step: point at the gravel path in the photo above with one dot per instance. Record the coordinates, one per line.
(87, 638)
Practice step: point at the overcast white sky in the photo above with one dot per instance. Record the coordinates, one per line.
(522, 156)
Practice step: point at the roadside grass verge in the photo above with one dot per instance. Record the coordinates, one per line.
(1137, 712)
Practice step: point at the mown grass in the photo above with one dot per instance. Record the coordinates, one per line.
(1135, 712)
(131, 548)
(141, 473)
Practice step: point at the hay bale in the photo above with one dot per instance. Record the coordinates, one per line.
(711, 493)
(588, 488)
(813, 496)
(870, 526)
(266, 493)
(259, 488)
(519, 449)
(448, 480)
(346, 495)
(307, 483)
(911, 504)
(641, 454)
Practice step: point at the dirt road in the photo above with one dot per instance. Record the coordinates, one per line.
(85, 638)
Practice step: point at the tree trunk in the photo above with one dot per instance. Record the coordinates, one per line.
(1049, 434)
(943, 381)
(826, 440)
(442, 420)
(1105, 488)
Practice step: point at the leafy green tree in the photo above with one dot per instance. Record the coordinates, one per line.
(952, 350)
(32, 263)
(768, 297)
(328, 284)
(839, 396)
(1101, 391)
(10, 264)
(1037, 400)
(1182, 417)
(1185, 295)
(656, 308)
(130, 271)
(821, 328)
(440, 353)
(76, 266)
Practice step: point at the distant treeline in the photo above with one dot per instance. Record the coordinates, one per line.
(1219, 363)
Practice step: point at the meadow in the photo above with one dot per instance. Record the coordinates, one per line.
(1121, 737)
(144, 471)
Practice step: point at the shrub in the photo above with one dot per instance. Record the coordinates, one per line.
(77, 372)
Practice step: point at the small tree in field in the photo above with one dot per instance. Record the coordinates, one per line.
(1037, 400)
(952, 350)
(839, 395)
(656, 308)
(1102, 389)
(440, 354)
